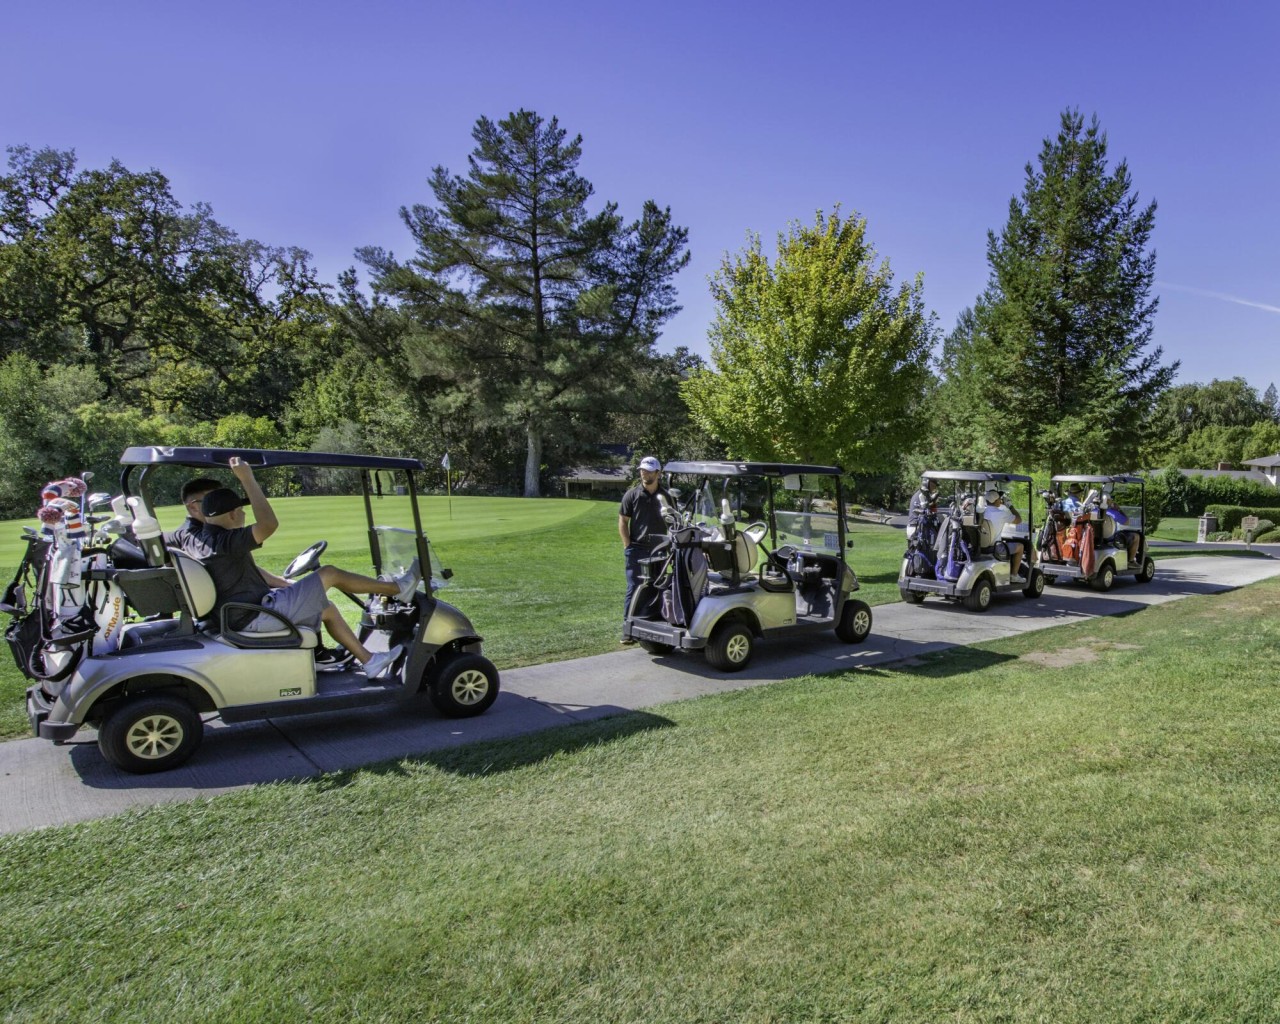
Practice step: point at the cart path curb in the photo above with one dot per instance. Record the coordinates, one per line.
(42, 784)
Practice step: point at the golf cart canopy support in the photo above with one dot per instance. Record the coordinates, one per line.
(260, 458)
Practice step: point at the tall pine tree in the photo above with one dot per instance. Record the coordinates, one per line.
(1067, 316)
(536, 313)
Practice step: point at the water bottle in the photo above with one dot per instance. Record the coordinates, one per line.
(147, 531)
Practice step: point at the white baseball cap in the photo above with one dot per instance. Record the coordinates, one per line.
(651, 464)
(993, 495)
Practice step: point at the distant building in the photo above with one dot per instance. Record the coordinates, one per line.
(609, 477)
(1264, 471)
(1268, 468)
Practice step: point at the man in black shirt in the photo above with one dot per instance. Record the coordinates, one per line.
(640, 524)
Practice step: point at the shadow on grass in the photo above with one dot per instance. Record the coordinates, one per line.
(516, 732)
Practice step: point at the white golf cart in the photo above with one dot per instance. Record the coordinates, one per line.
(754, 550)
(955, 552)
(142, 660)
(1098, 538)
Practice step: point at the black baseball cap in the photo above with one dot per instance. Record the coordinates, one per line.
(221, 501)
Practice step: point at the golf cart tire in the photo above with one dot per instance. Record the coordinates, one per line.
(730, 646)
(855, 622)
(1148, 571)
(979, 598)
(151, 734)
(1035, 585)
(466, 685)
(1105, 577)
(655, 647)
(912, 596)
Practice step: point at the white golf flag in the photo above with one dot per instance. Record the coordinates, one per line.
(445, 461)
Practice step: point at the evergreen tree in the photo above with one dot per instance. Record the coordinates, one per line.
(532, 313)
(1271, 403)
(1068, 312)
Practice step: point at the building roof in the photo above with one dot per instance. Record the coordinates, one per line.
(1268, 462)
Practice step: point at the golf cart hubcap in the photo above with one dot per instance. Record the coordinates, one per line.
(154, 736)
(984, 596)
(738, 648)
(470, 686)
(862, 622)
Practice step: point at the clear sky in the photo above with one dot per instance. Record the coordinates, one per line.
(312, 123)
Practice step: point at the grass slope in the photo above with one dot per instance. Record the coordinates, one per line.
(1080, 825)
(541, 580)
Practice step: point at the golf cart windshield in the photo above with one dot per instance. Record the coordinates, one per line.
(397, 548)
(804, 514)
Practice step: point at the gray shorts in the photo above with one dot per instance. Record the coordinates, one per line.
(302, 603)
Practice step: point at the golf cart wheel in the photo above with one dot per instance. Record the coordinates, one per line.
(912, 596)
(979, 599)
(855, 622)
(151, 734)
(465, 685)
(654, 647)
(1106, 576)
(729, 648)
(1035, 585)
(1148, 571)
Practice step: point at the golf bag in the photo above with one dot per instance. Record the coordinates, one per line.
(953, 550)
(688, 580)
(922, 553)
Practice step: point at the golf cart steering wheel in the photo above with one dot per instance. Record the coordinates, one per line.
(307, 561)
(781, 560)
(756, 531)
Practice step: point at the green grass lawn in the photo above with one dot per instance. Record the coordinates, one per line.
(1182, 528)
(1080, 825)
(542, 580)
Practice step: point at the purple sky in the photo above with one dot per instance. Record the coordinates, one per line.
(310, 124)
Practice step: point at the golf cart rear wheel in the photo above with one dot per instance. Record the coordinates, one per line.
(855, 622)
(1035, 585)
(654, 647)
(912, 596)
(465, 685)
(151, 734)
(979, 598)
(1148, 571)
(729, 648)
(1106, 576)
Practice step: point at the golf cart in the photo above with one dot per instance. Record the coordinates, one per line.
(954, 550)
(1100, 539)
(750, 553)
(117, 633)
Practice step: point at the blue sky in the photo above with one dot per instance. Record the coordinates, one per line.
(310, 124)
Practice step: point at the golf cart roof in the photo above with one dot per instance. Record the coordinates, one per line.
(1095, 478)
(259, 458)
(976, 477)
(749, 469)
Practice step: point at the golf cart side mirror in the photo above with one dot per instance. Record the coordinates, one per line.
(446, 574)
(791, 483)
(849, 543)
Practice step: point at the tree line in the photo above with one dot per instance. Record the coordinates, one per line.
(521, 332)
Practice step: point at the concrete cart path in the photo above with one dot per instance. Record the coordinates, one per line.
(42, 784)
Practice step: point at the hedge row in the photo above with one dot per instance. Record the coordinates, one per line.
(1229, 516)
(1194, 495)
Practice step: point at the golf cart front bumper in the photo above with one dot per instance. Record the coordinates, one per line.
(659, 632)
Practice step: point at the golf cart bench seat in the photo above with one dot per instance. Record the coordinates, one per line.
(200, 595)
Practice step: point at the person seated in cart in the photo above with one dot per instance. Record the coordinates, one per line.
(1132, 538)
(225, 547)
(999, 514)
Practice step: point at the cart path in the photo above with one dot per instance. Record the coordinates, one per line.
(42, 784)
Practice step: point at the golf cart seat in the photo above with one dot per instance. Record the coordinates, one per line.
(199, 595)
(1108, 528)
(740, 560)
(986, 535)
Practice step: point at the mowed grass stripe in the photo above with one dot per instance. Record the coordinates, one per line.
(1074, 825)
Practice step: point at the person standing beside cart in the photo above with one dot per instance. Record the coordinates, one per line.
(640, 525)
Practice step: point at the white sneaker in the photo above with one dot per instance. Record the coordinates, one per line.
(408, 582)
(381, 661)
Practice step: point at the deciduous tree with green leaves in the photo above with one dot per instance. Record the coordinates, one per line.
(527, 310)
(1066, 322)
(816, 357)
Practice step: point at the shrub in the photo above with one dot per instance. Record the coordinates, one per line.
(1270, 537)
(1229, 516)
(1220, 535)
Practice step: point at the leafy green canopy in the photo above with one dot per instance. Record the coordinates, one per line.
(816, 357)
(521, 310)
(1059, 357)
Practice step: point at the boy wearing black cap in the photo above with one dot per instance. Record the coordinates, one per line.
(225, 547)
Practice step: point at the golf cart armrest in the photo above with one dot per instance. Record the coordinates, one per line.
(288, 635)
